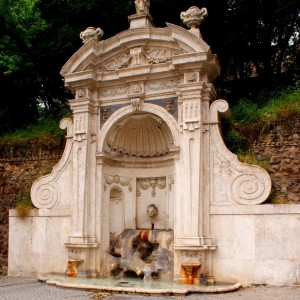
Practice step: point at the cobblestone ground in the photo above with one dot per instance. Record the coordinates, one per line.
(15, 288)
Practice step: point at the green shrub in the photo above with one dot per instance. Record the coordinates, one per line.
(235, 141)
(245, 112)
(45, 134)
(249, 119)
(281, 105)
(23, 206)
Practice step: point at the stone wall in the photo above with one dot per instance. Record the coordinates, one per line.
(18, 170)
(280, 147)
(256, 244)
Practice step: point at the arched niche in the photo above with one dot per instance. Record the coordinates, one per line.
(139, 147)
(116, 212)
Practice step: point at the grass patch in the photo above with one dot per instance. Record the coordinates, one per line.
(46, 127)
(45, 134)
(250, 119)
(250, 158)
(23, 206)
(282, 105)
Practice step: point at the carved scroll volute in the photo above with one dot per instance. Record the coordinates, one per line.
(67, 123)
(253, 188)
(250, 184)
(45, 191)
(217, 107)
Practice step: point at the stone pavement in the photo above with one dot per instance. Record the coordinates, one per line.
(16, 288)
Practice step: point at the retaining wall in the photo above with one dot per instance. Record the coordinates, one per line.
(17, 173)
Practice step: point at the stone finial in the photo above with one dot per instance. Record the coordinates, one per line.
(193, 17)
(142, 17)
(142, 6)
(91, 33)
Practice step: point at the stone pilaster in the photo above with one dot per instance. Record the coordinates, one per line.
(192, 246)
(82, 243)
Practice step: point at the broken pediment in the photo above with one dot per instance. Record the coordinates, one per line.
(135, 47)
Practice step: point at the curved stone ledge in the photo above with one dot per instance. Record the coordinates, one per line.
(135, 286)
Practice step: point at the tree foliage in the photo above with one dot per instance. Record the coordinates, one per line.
(254, 39)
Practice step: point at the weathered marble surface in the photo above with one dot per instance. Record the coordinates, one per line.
(103, 185)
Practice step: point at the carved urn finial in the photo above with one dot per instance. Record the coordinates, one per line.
(193, 17)
(142, 6)
(91, 33)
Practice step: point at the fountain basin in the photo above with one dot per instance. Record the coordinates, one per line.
(135, 285)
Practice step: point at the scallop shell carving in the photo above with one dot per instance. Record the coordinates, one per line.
(140, 135)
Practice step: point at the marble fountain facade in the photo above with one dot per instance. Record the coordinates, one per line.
(146, 134)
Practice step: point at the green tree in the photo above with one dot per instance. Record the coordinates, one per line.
(20, 25)
(254, 39)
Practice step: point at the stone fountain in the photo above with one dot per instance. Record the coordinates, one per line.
(144, 161)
